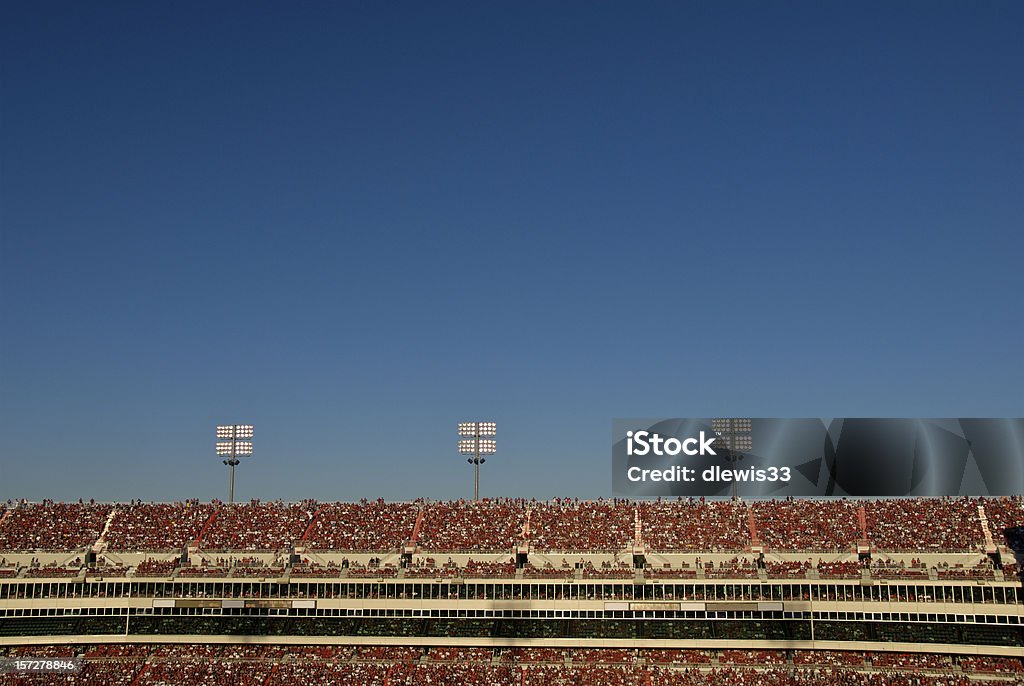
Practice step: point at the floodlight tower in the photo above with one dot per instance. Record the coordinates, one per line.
(473, 443)
(735, 435)
(233, 448)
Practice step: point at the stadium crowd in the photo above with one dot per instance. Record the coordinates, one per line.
(806, 525)
(205, 672)
(910, 661)
(839, 570)
(467, 525)
(576, 526)
(543, 655)
(157, 526)
(752, 657)
(694, 525)
(788, 569)
(991, 665)
(1003, 513)
(371, 526)
(53, 526)
(330, 673)
(497, 525)
(835, 658)
(275, 665)
(151, 567)
(913, 524)
(258, 526)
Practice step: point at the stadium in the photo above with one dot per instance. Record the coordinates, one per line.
(749, 247)
(509, 591)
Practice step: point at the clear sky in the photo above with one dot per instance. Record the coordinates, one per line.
(356, 224)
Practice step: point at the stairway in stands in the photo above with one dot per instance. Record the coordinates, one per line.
(986, 530)
(206, 527)
(862, 520)
(419, 525)
(138, 677)
(523, 548)
(755, 542)
(312, 523)
(270, 676)
(638, 529)
(101, 542)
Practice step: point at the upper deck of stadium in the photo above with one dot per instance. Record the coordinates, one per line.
(915, 591)
(686, 538)
(500, 525)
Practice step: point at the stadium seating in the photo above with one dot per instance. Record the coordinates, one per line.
(203, 672)
(752, 657)
(459, 654)
(924, 524)
(273, 665)
(905, 661)
(497, 526)
(327, 673)
(920, 551)
(53, 526)
(1003, 513)
(258, 526)
(806, 525)
(839, 569)
(835, 658)
(315, 571)
(990, 665)
(480, 526)
(694, 526)
(151, 567)
(489, 569)
(789, 569)
(672, 656)
(157, 526)
(372, 526)
(982, 570)
(582, 526)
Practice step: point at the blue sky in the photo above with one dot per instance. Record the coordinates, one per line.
(355, 225)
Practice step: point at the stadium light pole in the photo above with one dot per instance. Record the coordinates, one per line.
(735, 434)
(233, 446)
(472, 442)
